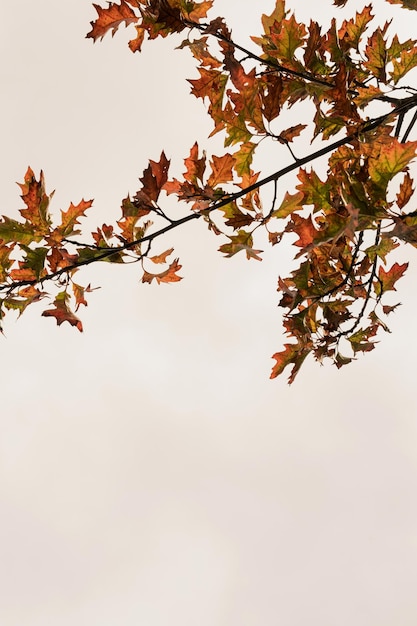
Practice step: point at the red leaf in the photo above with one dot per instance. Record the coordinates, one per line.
(62, 313)
(387, 280)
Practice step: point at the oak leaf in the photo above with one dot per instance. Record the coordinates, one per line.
(62, 313)
(387, 279)
(408, 60)
(239, 242)
(168, 276)
(195, 166)
(407, 4)
(387, 161)
(406, 191)
(286, 136)
(70, 218)
(294, 354)
(110, 18)
(37, 202)
(221, 169)
(161, 258)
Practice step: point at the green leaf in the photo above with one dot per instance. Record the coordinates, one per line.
(408, 60)
(407, 4)
(387, 160)
(14, 231)
(290, 203)
(239, 242)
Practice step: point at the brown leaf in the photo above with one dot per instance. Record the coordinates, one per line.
(195, 166)
(62, 313)
(406, 191)
(110, 18)
(288, 135)
(292, 354)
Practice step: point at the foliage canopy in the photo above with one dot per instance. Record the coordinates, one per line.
(345, 224)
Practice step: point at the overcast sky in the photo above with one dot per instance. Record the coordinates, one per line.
(150, 472)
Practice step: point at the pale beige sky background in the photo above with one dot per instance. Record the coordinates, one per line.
(150, 472)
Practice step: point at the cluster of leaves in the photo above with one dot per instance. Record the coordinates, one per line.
(345, 223)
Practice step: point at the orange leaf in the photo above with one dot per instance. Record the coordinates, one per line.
(161, 258)
(387, 161)
(195, 166)
(71, 217)
(200, 9)
(169, 276)
(37, 202)
(111, 18)
(221, 169)
(293, 353)
(406, 191)
(62, 313)
(387, 280)
(136, 44)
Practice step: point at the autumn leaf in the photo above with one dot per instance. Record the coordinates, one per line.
(153, 179)
(168, 276)
(200, 51)
(161, 258)
(365, 95)
(276, 17)
(243, 158)
(5, 261)
(198, 10)
(352, 30)
(389, 309)
(221, 170)
(408, 60)
(23, 274)
(407, 4)
(239, 242)
(62, 313)
(136, 44)
(360, 340)
(235, 217)
(79, 292)
(286, 136)
(271, 92)
(70, 218)
(37, 202)
(110, 18)
(290, 203)
(381, 249)
(294, 354)
(376, 53)
(406, 191)
(304, 228)
(195, 166)
(387, 279)
(388, 160)
(17, 232)
(287, 39)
